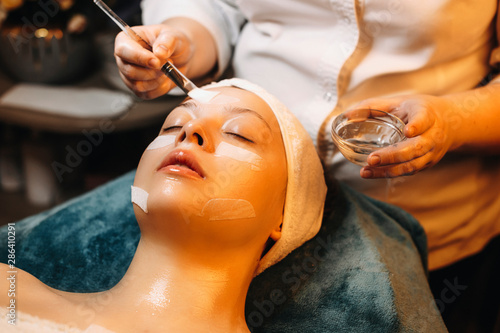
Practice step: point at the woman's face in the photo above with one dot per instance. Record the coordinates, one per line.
(216, 169)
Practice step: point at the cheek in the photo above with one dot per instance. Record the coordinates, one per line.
(262, 190)
(144, 169)
(270, 187)
(268, 198)
(142, 183)
(152, 157)
(145, 176)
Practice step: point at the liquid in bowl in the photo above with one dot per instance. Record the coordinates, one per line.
(356, 139)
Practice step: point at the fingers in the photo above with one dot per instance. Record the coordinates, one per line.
(427, 133)
(149, 89)
(134, 72)
(357, 115)
(144, 82)
(386, 104)
(405, 158)
(420, 120)
(132, 52)
(139, 67)
(172, 45)
(397, 170)
(399, 153)
(369, 108)
(164, 47)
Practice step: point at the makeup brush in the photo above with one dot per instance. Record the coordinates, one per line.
(169, 69)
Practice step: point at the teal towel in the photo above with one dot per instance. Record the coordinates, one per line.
(365, 271)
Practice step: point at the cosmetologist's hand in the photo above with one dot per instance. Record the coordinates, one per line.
(140, 68)
(429, 122)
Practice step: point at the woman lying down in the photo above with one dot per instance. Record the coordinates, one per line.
(228, 188)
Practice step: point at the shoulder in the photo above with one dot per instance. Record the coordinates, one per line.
(26, 294)
(21, 287)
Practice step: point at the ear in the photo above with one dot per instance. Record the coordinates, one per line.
(276, 233)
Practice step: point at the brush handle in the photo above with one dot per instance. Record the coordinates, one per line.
(173, 74)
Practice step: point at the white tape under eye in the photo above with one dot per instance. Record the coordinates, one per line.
(240, 154)
(140, 198)
(228, 209)
(162, 141)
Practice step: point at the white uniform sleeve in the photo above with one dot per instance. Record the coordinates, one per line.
(222, 19)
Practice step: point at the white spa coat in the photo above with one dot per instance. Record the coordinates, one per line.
(321, 56)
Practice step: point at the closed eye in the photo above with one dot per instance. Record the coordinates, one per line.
(240, 137)
(170, 128)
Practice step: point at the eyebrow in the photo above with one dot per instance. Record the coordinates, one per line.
(190, 105)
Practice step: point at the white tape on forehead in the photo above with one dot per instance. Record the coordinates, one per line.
(228, 209)
(202, 95)
(140, 198)
(224, 99)
(240, 154)
(162, 141)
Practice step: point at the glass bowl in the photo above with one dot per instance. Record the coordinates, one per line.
(357, 133)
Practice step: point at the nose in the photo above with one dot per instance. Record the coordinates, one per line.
(193, 132)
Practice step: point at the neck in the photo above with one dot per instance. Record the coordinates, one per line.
(186, 287)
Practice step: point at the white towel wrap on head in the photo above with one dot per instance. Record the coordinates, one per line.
(306, 188)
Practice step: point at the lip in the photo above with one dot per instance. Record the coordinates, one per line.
(183, 163)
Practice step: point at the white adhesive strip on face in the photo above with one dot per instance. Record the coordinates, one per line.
(140, 198)
(240, 154)
(224, 99)
(162, 141)
(228, 209)
(97, 329)
(201, 95)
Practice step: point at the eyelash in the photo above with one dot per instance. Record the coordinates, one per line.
(170, 128)
(239, 137)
